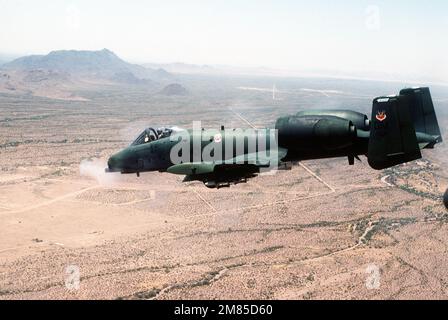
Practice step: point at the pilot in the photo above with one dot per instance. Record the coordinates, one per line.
(149, 138)
(164, 132)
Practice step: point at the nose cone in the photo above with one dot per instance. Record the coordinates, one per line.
(116, 163)
(112, 163)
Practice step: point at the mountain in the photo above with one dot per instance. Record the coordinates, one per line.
(66, 71)
(127, 77)
(160, 74)
(184, 68)
(174, 89)
(4, 58)
(103, 63)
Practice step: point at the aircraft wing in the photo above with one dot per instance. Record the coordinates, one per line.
(230, 168)
(260, 159)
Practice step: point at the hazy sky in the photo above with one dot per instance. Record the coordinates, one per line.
(406, 37)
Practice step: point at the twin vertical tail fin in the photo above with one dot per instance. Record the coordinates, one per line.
(422, 113)
(401, 126)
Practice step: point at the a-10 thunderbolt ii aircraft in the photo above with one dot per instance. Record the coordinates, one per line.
(399, 128)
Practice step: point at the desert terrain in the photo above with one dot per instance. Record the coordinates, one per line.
(322, 230)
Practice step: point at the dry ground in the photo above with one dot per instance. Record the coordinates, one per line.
(323, 230)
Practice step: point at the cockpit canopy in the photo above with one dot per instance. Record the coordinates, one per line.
(153, 134)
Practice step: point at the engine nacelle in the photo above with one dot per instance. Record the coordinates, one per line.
(359, 120)
(315, 132)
